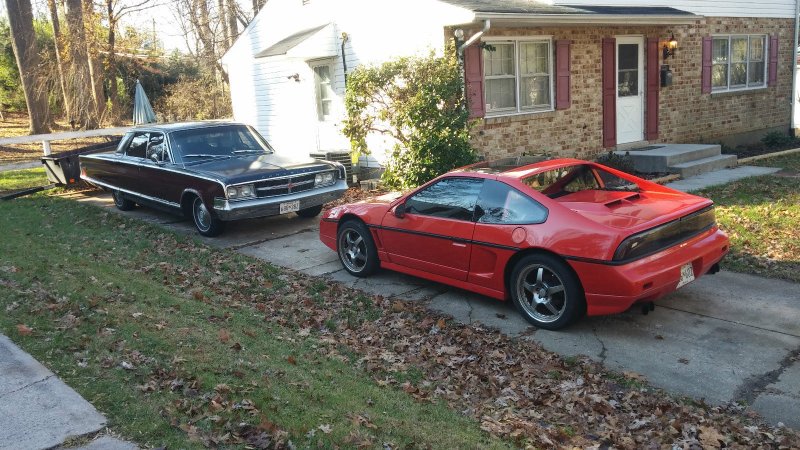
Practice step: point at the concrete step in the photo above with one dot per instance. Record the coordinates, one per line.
(691, 168)
(658, 158)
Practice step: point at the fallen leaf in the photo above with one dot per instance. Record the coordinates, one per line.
(24, 330)
(325, 428)
(291, 360)
(224, 335)
(683, 361)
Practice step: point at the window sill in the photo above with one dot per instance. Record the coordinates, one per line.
(510, 117)
(729, 93)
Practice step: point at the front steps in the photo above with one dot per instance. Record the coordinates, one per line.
(685, 160)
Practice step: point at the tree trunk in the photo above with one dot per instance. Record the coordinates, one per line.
(96, 71)
(23, 41)
(233, 26)
(84, 105)
(57, 39)
(226, 33)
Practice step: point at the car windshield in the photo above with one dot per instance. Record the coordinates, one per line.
(224, 141)
(566, 180)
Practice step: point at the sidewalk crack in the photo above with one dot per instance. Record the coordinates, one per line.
(27, 386)
(603, 350)
(756, 385)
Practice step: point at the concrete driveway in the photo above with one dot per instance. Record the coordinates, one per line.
(724, 338)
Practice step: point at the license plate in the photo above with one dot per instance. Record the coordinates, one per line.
(290, 207)
(687, 275)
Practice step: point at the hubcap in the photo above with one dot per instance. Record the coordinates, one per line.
(201, 215)
(541, 293)
(353, 250)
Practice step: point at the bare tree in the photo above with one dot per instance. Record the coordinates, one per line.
(23, 40)
(233, 27)
(59, 47)
(84, 105)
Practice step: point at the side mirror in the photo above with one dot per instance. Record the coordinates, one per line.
(400, 210)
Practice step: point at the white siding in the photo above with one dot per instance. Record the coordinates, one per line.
(284, 110)
(710, 8)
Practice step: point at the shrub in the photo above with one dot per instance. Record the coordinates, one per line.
(419, 101)
(195, 99)
(619, 162)
(775, 139)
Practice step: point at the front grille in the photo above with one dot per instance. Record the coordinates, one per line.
(286, 185)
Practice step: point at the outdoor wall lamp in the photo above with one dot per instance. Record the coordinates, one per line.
(295, 77)
(670, 47)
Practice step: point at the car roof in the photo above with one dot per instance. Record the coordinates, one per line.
(520, 167)
(177, 126)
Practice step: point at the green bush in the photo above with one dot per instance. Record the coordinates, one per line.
(419, 101)
(619, 162)
(775, 139)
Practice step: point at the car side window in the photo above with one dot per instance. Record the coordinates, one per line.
(138, 145)
(500, 203)
(157, 148)
(450, 198)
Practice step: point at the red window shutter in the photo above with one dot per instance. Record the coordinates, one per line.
(563, 88)
(473, 75)
(653, 70)
(609, 92)
(706, 74)
(773, 61)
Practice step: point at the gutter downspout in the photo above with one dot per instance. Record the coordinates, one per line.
(486, 25)
(794, 66)
(344, 58)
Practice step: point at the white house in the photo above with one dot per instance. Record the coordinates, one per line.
(540, 75)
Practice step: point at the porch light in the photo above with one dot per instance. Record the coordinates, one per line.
(670, 47)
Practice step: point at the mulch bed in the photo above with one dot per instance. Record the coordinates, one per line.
(758, 149)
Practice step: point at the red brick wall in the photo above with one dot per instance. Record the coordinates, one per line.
(685, 115)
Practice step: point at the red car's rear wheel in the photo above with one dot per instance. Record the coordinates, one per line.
(546, 292)
(356, 249)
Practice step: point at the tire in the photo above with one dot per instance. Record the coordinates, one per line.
(546, 292)
(204, 220)
(356, 249)
(122, 203)
(311, 212)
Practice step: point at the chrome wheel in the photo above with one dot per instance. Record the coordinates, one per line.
(202, 218)
(353, 250)
(541, 293)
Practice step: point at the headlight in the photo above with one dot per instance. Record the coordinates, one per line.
(323, 179)
(243, 191)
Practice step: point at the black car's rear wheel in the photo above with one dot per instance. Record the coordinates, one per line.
(122, 203)
(356, 249)
(204, 220)
(308, 213)
(546, 292)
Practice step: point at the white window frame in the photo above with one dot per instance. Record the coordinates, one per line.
(518, 109)
(765, 60)
(317, 92)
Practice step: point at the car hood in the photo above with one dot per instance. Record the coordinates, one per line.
(371, 210)
(246, 168)
(632, 210)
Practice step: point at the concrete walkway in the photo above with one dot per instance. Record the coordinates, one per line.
(718, 177)
(723, 338)
(20, 166)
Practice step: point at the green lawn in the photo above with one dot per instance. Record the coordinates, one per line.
(177, 343)
(21, 179)
(762, 217)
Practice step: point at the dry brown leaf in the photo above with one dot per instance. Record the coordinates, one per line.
(224, 335)
(24, 330)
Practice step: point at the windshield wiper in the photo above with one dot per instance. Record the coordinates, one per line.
(236, 152)
(205, 155)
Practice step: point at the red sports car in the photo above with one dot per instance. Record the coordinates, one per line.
(560, 238)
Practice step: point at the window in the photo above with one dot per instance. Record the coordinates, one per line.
(570, 179)
(501, 204)
(518, 76)
(138, 146)
(322, 82)
(738, 62)
(450, 198)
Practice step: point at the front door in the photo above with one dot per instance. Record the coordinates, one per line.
(630, 89)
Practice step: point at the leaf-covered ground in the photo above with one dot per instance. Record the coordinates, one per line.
(184, 345)
(762, 217)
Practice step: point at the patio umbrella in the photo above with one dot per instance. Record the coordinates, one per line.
(142, 111)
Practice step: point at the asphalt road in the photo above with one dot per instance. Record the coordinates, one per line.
(723, 338)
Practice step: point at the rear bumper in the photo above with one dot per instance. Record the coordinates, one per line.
(263, 207)
(611, 289)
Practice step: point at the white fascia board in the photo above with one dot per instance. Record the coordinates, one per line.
(513, 19)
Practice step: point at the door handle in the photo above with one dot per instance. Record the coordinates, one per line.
(459, 244)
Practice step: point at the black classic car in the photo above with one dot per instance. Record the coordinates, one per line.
(212, 172)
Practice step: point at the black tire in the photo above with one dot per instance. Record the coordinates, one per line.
(311, 212)
(122, 203)
(546, 292)
(356, 249)
(204, 220)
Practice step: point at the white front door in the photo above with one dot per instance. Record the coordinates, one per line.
(328, 108)
(630, 89)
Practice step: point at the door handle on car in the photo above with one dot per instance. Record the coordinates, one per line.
(460, 244)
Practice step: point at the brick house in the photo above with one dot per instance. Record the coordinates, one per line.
(552, 76)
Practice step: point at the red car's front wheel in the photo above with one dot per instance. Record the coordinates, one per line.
(546, 292)
(356, 249)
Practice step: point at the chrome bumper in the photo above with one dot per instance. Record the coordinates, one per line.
(263, 207)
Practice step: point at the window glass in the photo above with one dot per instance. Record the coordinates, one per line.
(450, 198)
(157, 148)
(628, 70)
(517, 70)
(500, 203)
(738, 62)
(138, 146)
(557, 182)
(324, 88)
(198, 144)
